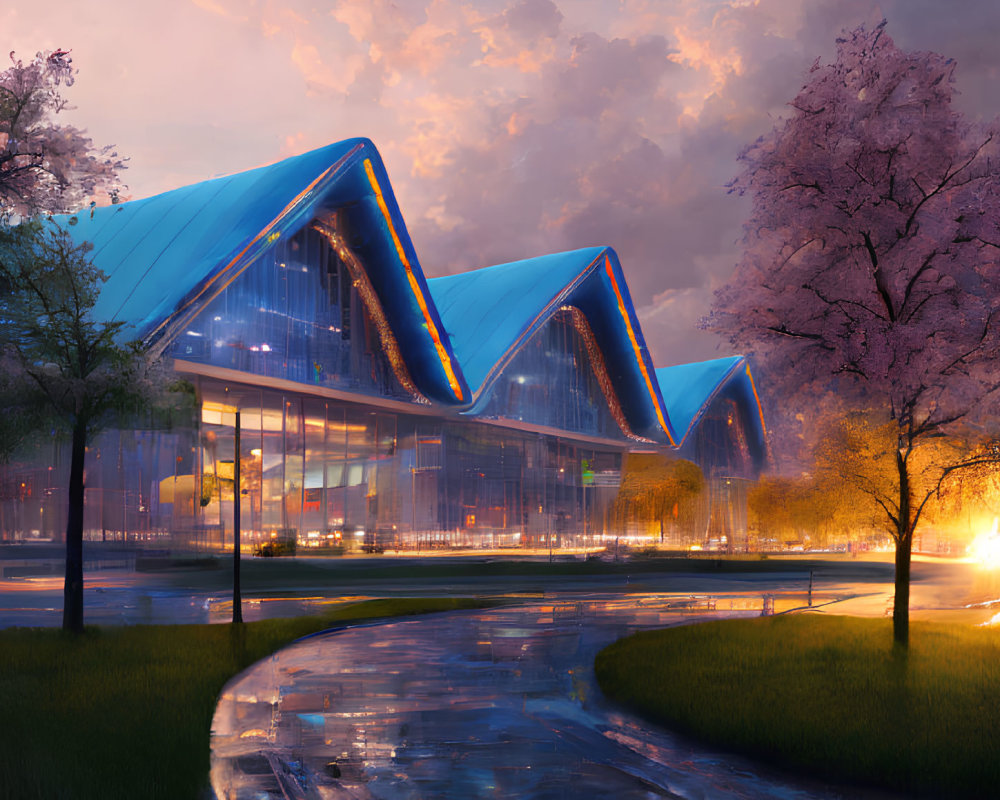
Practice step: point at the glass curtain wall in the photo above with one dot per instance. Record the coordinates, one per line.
(506, 488)
(551, 381)
(318, 473)
(140, 486)
(294, 314)
(326, 474)
(720, 448)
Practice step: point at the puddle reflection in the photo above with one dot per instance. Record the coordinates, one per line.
(501, 704)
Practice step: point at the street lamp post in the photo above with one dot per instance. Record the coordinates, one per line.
(237, 599)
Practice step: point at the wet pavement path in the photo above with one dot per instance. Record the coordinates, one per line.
(501, 703)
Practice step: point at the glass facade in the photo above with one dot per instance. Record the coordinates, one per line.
(719, 446)
(140, 486)
(295, 314)
(552, 381)
(322, 473)
(333, 474)
(720, 441)
(375, 472)
(328, 473)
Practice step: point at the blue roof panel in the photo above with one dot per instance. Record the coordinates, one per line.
(488, 311)
(157, 250)
(687, 388)
(166, 255)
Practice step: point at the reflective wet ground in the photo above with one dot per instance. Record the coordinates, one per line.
(126, 599)
(115, 593)
(499, 704)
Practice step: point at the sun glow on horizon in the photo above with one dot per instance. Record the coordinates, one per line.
(985, 548)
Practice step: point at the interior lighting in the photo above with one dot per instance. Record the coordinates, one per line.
(268, 234)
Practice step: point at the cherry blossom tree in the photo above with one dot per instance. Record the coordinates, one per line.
(871, 265)
(46, 167)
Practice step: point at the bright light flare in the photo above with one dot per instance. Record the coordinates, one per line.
(985, 548)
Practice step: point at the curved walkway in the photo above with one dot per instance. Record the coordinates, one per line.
(501, 703)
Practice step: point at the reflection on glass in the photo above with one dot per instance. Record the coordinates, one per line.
(551, 381)
(293, 314)
(326, 473)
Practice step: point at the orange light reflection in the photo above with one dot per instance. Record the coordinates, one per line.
(638, 352)
(414, 285)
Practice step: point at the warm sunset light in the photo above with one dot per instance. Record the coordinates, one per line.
(985, 548)
(499, 398)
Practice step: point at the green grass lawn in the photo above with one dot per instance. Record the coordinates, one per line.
(125, 712)
(827, 696)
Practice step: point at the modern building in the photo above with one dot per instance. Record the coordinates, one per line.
(377, 408)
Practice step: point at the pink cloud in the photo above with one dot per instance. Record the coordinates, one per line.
(510, 127)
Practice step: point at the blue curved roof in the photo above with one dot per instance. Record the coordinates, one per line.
(486, 311)
(168, 255)
(156, 251)
(689, 389)
(491, 313)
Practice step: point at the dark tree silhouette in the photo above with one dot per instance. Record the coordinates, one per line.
(60, 366)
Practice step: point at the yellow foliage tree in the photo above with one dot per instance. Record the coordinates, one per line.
(656, 491)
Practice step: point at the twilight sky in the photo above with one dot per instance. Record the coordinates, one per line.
(510, 128)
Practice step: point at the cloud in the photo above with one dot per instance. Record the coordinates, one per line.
(527, 173)
(670, 324)
(531, 20)
(510, 128)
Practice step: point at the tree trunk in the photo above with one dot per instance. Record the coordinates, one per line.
(73, 586)
(904, 544)
(901, 606)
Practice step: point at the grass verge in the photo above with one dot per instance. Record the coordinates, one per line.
(826, 695)
(126, 712)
